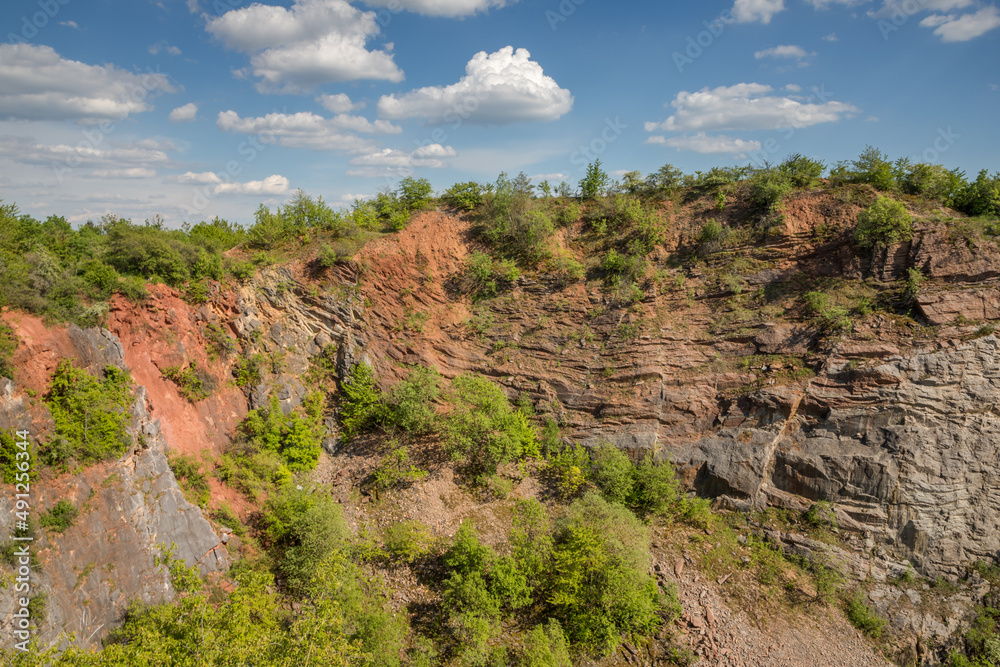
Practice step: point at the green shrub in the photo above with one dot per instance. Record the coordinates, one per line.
(192, 480)
(249, 371)
(191, 381)
(981, 196)
(863, 617)
(409, 405)
(296, 437)
(464, 196)
(302, 529)
(59, 517)
(801, 170)
(365, 215)
(217, 342)
(508, 223)
(766, 190)
(546, 646)
(8, 345)
(414, 193)
(569, 467)
(884, 223)
(612, 472)
(90, 414)
(484, 275)
(656, 491)
(601, 585)
(395, 469)
(567, 214)
(225, 515)
(832, 318)
(408, 540)
(872, 167)
(710, 231)
(360, 406)
(482, 431)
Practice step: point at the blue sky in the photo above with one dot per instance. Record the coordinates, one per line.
(195, 108)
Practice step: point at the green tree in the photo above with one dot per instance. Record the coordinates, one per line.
(594, 181)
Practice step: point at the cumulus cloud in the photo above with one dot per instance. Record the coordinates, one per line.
(394, 162)
(312, 43)
(753, 11)
(447, 8)
(746, 106)
(339, 103)
(952, 28)
(184, 114)
(832, 37)
(783, 51)
(38, 84)
(70, 24)
(702, 143)
(308, 130)
(272, 185)
(498, 88)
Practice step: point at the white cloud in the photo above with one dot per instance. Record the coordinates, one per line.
(832, 37)
(38, 84)
(498, 88)
(339, 103)
(752, 11)
(825, 4)
(793, 88)
(893, 8)
(555, 178)
(272, 185)
(192, 178)
(935, 20)
(312, 43)
(965, 27)
(448, 8)
(184, 114)
(426, 156)
(131, 172)
(70, 24)
(393, 162)
(85, 156)
(702, 143)
(783, 51)
(308, 130)
(746, 106)
(163, 46)
(193, 6)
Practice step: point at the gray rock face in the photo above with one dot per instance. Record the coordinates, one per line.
(910, 449)
(130, 510)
